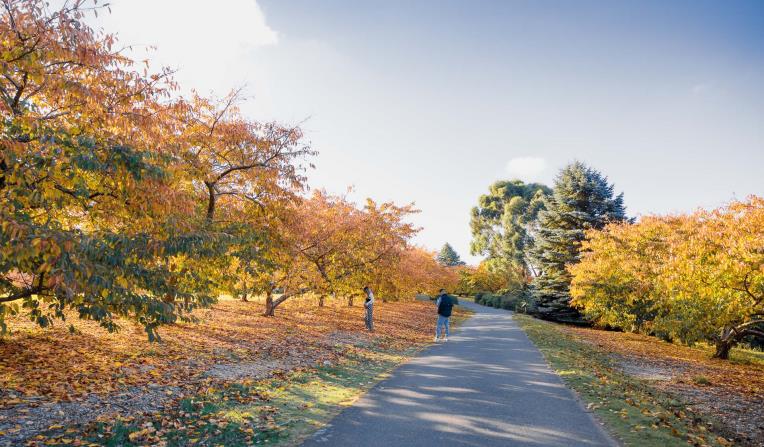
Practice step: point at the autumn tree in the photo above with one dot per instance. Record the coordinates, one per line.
(493, 276)
(327, 245)
(384, 245)
(118, 198)
(697, 277)
(88, 203)
(231, 158)
(285, 272)
(616, 283)
(416, 271)
(241, 172)
(715, 276)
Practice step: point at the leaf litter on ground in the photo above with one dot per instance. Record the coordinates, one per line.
(646, 388)
(112, 386)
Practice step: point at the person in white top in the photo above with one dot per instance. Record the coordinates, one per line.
(369, 305)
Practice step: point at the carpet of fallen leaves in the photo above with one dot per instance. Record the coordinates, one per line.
(730, 391)
(52, 366)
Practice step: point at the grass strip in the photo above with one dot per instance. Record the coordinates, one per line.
(634, 412)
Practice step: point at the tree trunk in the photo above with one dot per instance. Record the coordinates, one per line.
(270, 309)
(211, 201)
(271, 304)
(723, 349)
(350, 301)
(321, 301)
(244, 293)
(3, 168)
(724, 343)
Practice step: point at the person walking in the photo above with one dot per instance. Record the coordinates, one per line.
(445, 304)
(369, 306)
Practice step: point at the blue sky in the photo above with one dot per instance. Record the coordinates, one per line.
(431, 101)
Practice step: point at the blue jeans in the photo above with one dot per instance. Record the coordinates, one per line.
(369, 318)
(442, 321)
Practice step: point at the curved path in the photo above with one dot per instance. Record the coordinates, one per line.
(487, 386)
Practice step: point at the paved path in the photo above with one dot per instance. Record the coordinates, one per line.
(487, 386)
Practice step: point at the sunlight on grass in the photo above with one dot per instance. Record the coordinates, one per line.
(635, 413)
(309, 400)
(282, 410)
(743, 356)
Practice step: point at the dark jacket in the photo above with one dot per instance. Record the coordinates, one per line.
(445, 305)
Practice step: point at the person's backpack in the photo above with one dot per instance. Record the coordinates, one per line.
(446, 306)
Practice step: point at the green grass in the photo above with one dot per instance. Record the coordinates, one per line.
(635, 413)
(746, 356)
(701, 380)
(738, 354)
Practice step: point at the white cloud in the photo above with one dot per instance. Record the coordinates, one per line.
(526, 168)
(701, 88)
(210, 43)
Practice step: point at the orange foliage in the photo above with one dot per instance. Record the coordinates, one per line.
(123, 201)
(693, 277)
(61, 366)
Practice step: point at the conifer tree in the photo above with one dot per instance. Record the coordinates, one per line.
(581, 199)
(449, 257)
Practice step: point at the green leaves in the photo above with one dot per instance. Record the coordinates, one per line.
(449, 257)
(503, 222)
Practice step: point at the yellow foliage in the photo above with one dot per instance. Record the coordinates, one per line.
(694, 277)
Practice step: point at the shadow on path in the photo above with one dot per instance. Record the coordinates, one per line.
(487, 386)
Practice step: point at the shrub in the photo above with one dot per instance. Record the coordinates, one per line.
(701, 380)
(508, 302)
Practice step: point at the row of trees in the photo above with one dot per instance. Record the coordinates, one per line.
(531, 233)
(118, 197)
(692, 277)
(571, 254)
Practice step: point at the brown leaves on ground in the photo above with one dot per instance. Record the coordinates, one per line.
(731, 391)
(681, 362)
(54, 365)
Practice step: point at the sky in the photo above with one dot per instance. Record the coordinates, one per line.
(430, 101)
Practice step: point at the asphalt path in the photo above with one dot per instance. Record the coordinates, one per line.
(487, 386)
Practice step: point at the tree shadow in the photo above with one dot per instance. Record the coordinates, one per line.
(487, 386)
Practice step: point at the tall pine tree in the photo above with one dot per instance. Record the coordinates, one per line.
(581, 199)
(449, 257)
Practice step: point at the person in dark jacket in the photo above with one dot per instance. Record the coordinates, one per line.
(445, 304)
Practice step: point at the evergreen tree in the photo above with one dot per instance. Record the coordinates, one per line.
(504, 222)
(581, 199)
(448, 256)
